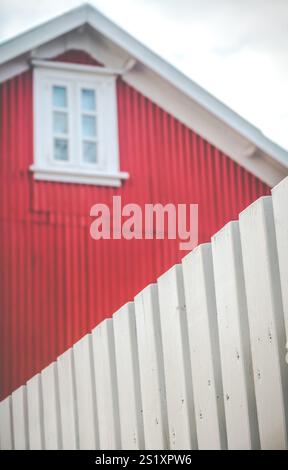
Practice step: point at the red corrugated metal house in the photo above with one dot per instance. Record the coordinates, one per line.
(87, 112)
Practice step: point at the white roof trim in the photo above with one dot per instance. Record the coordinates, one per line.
(87, 14)
(77, 67)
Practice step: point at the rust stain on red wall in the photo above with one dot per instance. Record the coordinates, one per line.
(56, 283)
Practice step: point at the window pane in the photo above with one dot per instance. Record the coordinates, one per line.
(60, 123)
(89, 126)
(89, 152)
(88, 100)
(60, 149)
(59, 97)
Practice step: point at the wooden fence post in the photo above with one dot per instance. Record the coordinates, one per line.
(20, 418)
(266, 321)
(280, 206)
(151, 368)
(106, 385)
(35, 413)
(51, 408)
(130, 405)
(67, 401)
(177, 365)
(85, 394)
(6, 426)
(235, 349)
(204, 348)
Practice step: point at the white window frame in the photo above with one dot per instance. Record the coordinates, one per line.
(76, 77)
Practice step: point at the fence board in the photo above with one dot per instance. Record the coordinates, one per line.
(85, 394)
(106, 385)
(35, 413)
(204, 348)
(20, 418)
(130, 406)
(67, 401)
(237, 373)
(177, 366)
(151, 368)
(280, 206)
(266, 321)
(51, 410)
(6, 427)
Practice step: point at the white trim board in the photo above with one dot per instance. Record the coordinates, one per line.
(152, 75)
(76, 67)
(77, 176)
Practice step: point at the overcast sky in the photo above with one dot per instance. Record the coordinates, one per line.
(235, 49)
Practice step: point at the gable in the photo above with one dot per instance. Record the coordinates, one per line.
(86, 29)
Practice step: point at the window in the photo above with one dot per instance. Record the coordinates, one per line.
(75, 124)
(88, 125)
(60, 123)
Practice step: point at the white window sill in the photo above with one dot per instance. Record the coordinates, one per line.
(79, 176)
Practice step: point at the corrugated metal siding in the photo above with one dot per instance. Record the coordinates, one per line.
(56, 283)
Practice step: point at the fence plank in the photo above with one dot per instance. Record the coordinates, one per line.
(85, 394)
(204, 348)
(6, 426)
(237, 373)
(35, 413)
(51, 410)
(130, 406)
(280, 205)
(20, 418)
(106, 385)
(151, 368)
(177, 366)
(266, 321)
(67, 399)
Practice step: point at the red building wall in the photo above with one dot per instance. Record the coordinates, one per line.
(56, 283)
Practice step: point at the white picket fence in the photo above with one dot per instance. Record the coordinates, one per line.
(196, 361)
